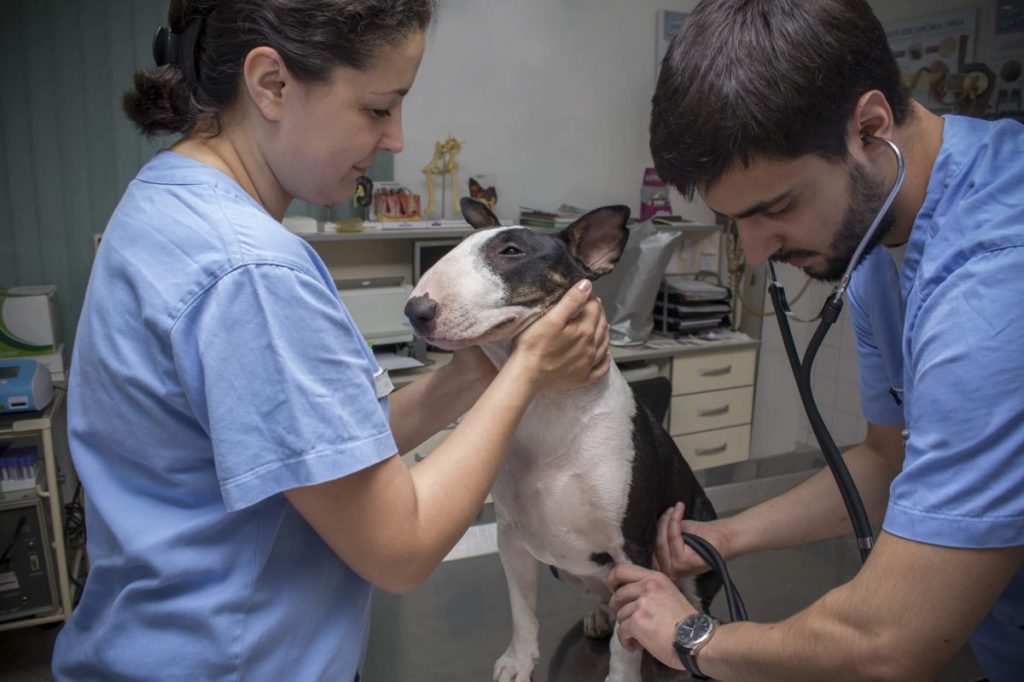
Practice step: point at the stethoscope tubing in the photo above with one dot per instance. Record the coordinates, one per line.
(802, 367)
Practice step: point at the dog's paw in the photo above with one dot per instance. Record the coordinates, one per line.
(621, 678)
(515, 668)
(596, 624)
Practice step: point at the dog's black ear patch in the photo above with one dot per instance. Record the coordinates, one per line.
(477, 214)
(598, 238)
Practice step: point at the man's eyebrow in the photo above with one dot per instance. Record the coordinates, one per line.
(397, 91)
(761, 206)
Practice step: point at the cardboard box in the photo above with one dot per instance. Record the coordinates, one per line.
(29, 324)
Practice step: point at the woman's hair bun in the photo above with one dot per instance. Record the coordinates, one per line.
(159, 101)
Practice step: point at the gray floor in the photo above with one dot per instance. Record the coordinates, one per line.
(453, 627)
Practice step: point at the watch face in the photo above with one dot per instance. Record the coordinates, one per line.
(694, 629)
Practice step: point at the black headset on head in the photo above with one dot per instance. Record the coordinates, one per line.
(180, 48)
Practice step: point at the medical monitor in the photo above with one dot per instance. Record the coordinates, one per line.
(427, 252)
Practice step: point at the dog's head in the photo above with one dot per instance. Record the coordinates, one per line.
(499, 279)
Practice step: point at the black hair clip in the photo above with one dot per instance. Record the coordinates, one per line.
(179, 49)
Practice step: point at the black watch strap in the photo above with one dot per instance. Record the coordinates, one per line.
(689, 662)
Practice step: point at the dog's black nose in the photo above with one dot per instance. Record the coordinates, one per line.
(421, 311)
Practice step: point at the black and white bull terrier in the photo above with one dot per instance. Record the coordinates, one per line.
(588, 470)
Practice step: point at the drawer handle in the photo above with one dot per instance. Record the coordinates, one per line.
(704, 452)
(716, 372)
(713, 412)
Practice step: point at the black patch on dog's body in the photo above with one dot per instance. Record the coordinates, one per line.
(660, 478)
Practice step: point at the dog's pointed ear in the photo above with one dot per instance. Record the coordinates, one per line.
(598, 238)
(477, 214)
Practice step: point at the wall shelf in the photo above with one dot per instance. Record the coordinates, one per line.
(396, 233)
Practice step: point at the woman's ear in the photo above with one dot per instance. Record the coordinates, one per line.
(266, 79)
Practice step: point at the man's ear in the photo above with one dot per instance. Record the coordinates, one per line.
(872, 115)
(598, 238)
(266, 79)
(477, 214)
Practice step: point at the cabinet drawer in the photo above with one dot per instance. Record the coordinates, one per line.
(714, 410)
(713, 371)
(423, 449)
(715, 448)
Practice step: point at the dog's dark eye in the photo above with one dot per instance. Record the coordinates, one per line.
(511, 250)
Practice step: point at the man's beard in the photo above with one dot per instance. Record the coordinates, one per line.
(866, 197)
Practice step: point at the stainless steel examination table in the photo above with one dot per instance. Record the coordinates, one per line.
(458, 623)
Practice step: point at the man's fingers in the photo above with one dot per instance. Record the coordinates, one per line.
(625, 573)
(675, 533)
(662, 549)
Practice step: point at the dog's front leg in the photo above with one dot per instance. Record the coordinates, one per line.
(519, 659)
(623, 665)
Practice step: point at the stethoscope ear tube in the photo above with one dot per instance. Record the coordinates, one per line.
(802, 374)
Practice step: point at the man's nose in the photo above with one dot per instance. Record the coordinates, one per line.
(758, 246)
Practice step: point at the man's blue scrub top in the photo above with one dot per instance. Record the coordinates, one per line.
(946, 334)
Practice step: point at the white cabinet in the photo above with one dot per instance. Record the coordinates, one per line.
(712, 405)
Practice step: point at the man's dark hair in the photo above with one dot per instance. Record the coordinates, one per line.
(779, 79)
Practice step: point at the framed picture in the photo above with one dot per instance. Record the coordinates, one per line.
(669, 22)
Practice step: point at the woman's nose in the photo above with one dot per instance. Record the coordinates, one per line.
(393, 139)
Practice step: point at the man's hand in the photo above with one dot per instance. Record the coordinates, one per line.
(647, 606)
(673, 557)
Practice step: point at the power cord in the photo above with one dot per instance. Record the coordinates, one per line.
(737, 268)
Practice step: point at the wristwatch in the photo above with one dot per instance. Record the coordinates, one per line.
(692, 633)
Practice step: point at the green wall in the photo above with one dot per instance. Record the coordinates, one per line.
(66, 150)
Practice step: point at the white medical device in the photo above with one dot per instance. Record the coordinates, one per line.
(25, 386)
(379, 313)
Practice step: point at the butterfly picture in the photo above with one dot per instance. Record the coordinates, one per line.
(488, 195)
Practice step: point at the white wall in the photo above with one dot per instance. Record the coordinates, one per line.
(553, 96)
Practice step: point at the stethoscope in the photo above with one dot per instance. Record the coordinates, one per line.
(802, 367)
(802, 373)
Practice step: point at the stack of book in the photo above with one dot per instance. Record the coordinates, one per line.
(556, 220)
(686, 306)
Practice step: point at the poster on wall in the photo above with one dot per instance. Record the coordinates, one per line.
(1006, 59)
(930, 48)
(669, 22)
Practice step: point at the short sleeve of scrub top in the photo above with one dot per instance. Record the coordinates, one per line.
(281, 379)
(963, 478)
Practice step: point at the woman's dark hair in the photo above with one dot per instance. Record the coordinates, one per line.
(312, 37)
(745, 79)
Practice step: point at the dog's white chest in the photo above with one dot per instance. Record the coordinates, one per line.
(564, 485)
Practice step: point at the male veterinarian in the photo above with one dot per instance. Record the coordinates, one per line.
(769, 108)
